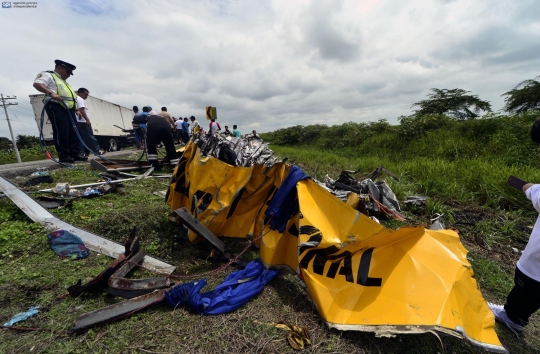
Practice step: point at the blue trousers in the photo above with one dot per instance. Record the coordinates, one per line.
(88, 137)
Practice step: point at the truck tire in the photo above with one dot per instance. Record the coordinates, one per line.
(111, 144)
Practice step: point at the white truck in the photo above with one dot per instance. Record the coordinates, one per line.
(111, 122)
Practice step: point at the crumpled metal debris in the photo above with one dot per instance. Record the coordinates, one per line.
(416, 200)
(37, 180)
(131, 248)
(364, 194)
(437, 222)
(249, 151)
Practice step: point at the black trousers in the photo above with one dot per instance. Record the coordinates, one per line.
(523, 300)
(158, 130)
(64, 135)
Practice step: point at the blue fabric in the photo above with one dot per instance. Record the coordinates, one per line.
(21, 316)
(282, 205)
(65, 244)
(89, 192)
(237, 289)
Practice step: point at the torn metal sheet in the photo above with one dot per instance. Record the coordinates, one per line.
(117, 311)
(199, 229)
(53, 203)
(131, 248)
(119, 165)
(360, 275)
(94, 242)
(130, 288)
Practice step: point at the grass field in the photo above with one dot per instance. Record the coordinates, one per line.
(491, 218)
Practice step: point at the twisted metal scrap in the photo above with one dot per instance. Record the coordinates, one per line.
(249, 150)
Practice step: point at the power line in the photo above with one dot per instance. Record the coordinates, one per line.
(27, 114)
(23, 125)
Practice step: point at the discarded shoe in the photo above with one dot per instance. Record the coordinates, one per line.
(500, 314)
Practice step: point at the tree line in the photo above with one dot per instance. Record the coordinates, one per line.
(460, 105)
(23, 141)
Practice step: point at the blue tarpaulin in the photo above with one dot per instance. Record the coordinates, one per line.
(237, 289)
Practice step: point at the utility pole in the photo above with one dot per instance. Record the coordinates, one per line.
(4, 104)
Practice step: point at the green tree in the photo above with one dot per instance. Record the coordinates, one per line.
(5, 143)
(454, 103)
(27, 141)
(524, 97)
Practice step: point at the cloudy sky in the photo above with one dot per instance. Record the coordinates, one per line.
(271, 64)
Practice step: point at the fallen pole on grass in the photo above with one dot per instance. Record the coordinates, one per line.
(94, 242)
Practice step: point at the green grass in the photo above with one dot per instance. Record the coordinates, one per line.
(491, 218)
(26, 154)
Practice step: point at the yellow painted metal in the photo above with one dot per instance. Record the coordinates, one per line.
(361, 275)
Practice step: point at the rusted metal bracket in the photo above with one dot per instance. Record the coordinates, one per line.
(117, 311)
(131, 248)
(130, 288)
(199, 229)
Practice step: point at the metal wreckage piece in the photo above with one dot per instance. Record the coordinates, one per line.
(114, 274)
(141, 292)
(118, 311)
(249, 150)
(371, 197)
(183, 216)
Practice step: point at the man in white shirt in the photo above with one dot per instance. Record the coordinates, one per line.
(84, 126)
(195, 126)
(178, 125)
(524, 299)
(214, 127)
(61, 109)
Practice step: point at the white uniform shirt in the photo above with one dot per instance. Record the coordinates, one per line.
(82, 104)
(47, 80)
(178, 124)
(529, 262)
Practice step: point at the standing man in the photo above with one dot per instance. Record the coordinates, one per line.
(214, 127)
(178, 125)
(227, 132)
(159, 131)
(236, 132)
(195, 126)
(167, 116)
(524, 299)
(137, 130)
(84, 126)
(61, 110)
(185, 131)
(255, 135)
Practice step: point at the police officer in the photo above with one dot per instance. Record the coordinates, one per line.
(61, 110)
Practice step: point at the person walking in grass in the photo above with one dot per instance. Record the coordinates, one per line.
(524, 298)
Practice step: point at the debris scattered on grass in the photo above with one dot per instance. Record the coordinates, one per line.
(67, 245)
(22, 316)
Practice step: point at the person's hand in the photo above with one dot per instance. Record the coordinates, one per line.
(88, 124)
(527, 186)
(56, 97)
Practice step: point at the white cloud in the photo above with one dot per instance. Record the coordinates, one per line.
(272, 64)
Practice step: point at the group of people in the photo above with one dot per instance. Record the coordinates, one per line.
(68, 114)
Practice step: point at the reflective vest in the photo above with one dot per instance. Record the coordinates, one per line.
(64, 90)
